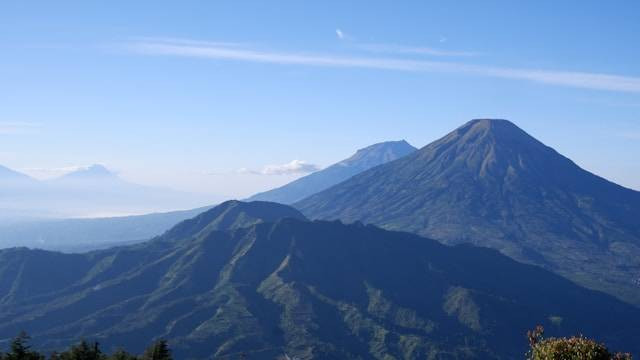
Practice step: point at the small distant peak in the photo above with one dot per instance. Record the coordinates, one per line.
(379, 153)
(391, 143)
(95, 171)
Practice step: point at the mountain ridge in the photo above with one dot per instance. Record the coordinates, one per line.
(306, 289)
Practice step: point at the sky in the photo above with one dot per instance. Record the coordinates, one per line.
(235, 97)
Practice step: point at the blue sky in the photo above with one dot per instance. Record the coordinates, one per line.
(203, 95)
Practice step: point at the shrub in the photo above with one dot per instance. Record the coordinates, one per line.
(573, 348)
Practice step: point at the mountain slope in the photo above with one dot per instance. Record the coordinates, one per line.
(362, 160)
(7, 174)
(490, 183)
(17, 192)
(306, 289)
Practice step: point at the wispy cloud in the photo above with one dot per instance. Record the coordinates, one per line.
(342, 35)
(16, 127)
(415, 50)
(219, 51)
(631, 135)
(294, 167)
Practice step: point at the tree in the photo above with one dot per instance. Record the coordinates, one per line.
(83, 351)
(158, 351)
(122, 355)
(573, 348)
(20, 349)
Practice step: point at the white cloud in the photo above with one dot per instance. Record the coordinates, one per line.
(630, 135)
(217, 51)
(295, 167)
(343, 35)
(7, 127)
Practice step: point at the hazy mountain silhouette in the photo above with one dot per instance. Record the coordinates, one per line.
(490, 183)
(93, 172)
(93, 191)
(305, 289)
(18, 195)
(362, 160)
(7, 174)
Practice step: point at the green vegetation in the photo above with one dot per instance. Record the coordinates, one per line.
(540, 348)
(21, 350)
(573, 348)
(235, 280)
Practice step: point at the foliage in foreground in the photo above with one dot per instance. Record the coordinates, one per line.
(20, 349)
(573, 348)
(540, 348)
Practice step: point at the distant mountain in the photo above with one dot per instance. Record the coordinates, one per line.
(7, 174)
(17, 192)
(80, 235)
(310, 290)
(93, 191)
(93, 172)
(362, 160)
(490, 183)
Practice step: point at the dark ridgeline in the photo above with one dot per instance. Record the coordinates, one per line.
(362, 160)
(260, 280)
(491, 184)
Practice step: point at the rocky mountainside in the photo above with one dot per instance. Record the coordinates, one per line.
(490, 183)
(257, 280)
(362, 160)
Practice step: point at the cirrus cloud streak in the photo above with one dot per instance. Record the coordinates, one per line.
(235, 52)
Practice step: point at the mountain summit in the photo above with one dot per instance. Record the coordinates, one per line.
(95, 172)
(492, 184)
(362, 160)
